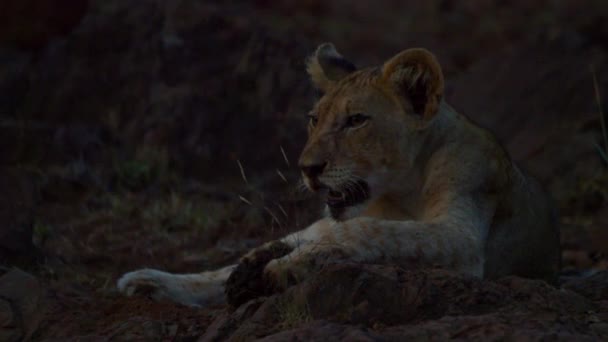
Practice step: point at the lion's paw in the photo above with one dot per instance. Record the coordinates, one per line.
(246, 281)
(158, 285)
(146, 282)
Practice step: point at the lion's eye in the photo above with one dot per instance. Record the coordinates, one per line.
(313, 119)
(356, 120)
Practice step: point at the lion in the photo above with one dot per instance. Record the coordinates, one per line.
(408, 181)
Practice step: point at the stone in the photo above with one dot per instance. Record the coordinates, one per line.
(26, 298)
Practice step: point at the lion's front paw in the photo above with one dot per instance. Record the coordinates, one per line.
(246, 281)
(263, 254)
(158, 285)
(146, 282)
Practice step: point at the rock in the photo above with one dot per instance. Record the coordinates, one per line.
(371, 302)
(543, 124)
(13, 83)
(31, 24)
(9, 328)
(228, 322)
(169, 83)
(325, 331)
(138, 328)
(23, 305)
(17, 208)
(594, 287)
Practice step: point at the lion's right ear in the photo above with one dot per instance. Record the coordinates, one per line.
(326, 66)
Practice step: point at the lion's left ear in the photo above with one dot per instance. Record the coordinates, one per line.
(416, 74)
(326, 66)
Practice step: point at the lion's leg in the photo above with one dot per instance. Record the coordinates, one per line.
(197, 289)
(452, 245)
(311, 234)
(200, 289)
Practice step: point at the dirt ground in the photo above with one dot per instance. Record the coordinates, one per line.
(164, 134)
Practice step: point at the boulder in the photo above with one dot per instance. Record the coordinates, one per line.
(376, 302)
(23, 305)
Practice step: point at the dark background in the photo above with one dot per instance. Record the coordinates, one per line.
(123, 124)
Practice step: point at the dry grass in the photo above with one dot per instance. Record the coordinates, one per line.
(176, 213)
(292, 313)
(40, 233)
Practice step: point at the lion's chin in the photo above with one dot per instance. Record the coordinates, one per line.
(347, 203)
(349, 196)
(347, 213)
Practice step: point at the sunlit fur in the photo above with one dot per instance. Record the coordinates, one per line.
(443, 191)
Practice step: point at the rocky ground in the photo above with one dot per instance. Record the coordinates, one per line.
(164, 134)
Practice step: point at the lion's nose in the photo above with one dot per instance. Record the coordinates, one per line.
(313, 170)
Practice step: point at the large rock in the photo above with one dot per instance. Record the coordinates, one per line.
(367, 302)
(180, 73)
(30, 24)
(539, 99)
(23, 305)
(17, 208)
(594, 286)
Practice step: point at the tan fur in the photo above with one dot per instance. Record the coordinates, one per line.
(315, 70)
(322, 67)
(443, 192)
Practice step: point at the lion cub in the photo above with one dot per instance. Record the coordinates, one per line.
(408, 181)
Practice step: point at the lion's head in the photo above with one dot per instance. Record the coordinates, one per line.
(368, 127)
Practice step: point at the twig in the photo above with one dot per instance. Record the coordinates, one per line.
(242, 171)
(244, 200)
(601, 112)
(284, 156)
(282, 210)
(603, 154)
(282, 176)
(273, 216)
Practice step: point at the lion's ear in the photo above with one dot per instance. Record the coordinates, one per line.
(327, 66)
(416, 74)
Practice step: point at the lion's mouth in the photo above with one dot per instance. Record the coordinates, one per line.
(356, 193)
